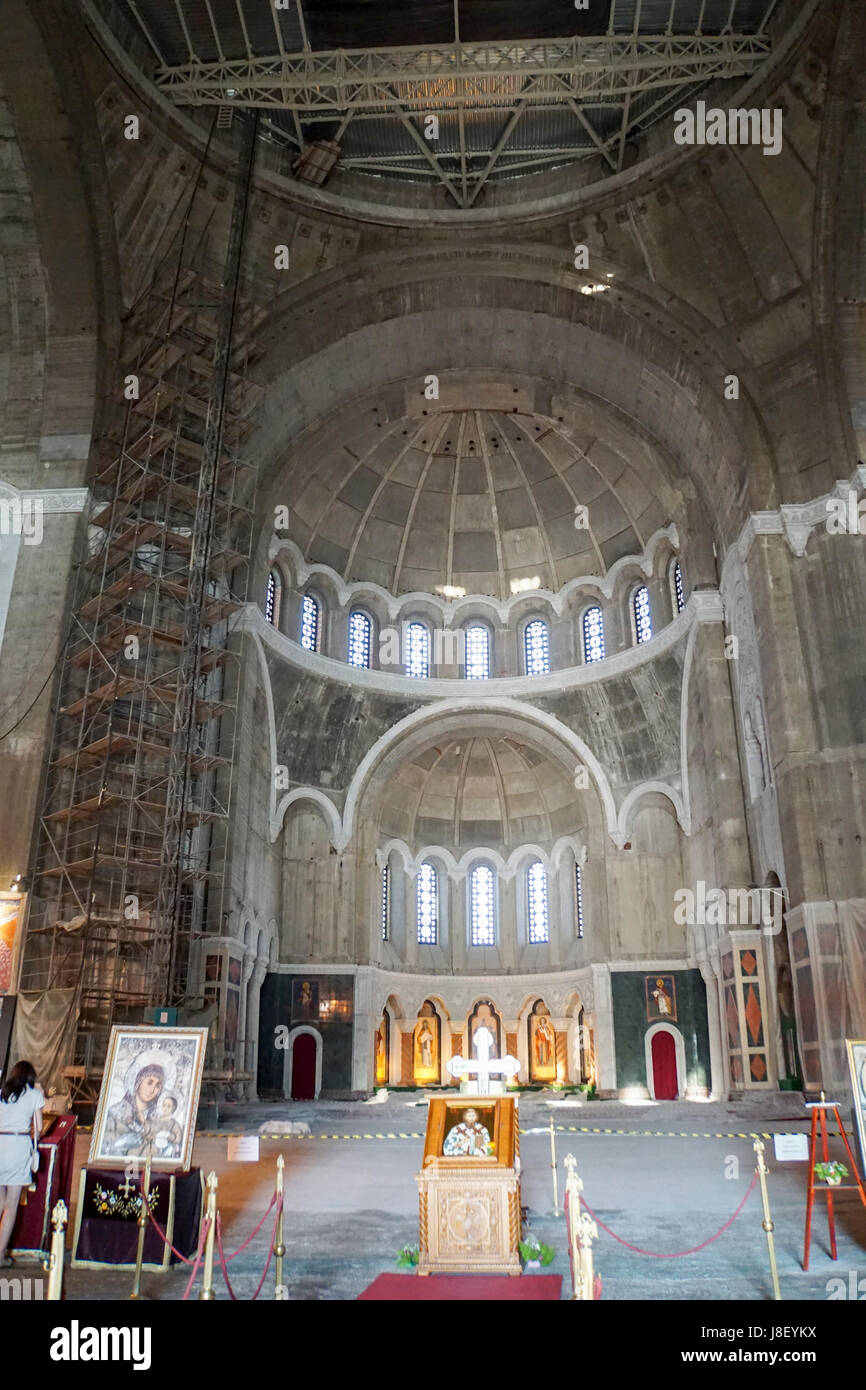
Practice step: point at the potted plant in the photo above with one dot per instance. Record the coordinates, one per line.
(831, 1173)
(534, 1253)
(407, 1258)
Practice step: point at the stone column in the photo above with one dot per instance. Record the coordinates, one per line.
(251, 1024)
(364, 1026)
(605, 1049)
(710, 972)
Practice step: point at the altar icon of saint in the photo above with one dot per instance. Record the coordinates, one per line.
(543, 1043)
(468, 1139)
(381, 1058)
(425, 1045)
(662, 998)
(305, 1000)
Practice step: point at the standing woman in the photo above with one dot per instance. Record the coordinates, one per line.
(21, 1103)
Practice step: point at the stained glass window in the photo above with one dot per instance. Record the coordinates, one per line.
(273, 592)
(477, 653)
(416, 660)
(578, 899)
(536, 899)
(643, 623)
(310, 623)
(386, 902)
(360, 636)
(593, 635)
(428, 905)
(536, 647)
(678, 593)
(482, 906)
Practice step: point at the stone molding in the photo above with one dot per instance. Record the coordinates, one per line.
(457, 869)
(455, 611)
(794, 520)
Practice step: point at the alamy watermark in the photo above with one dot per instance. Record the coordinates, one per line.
(22, 517)
(729, 907)
(738, 125)
(846, 516)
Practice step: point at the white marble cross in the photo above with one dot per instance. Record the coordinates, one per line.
(486, 1065)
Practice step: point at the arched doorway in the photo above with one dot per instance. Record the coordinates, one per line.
(665, 1062)
(302, 1079)
(303, 1067)
(664, 1059)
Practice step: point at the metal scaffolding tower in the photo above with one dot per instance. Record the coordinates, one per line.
(133, 847)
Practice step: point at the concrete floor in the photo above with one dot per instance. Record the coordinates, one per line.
(351, 1202)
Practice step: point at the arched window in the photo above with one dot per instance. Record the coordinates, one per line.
(360, 638)
(578, 900)
(593, 635)
(482, 906)
(641, 614)
(273, 597)
(427, 909)
(310, 622)
(536, 648)
(416, 658)
(537, 911)
(477, 653)
(678, 593)
(386, 902)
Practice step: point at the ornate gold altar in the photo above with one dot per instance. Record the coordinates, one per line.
(469, 1187)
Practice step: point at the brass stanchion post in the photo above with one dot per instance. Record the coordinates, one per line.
(280, 1291)
(582, 1231)
(144, 1193)
(210, 1214)
(54, 1263)
(767, 1223)
(556, 1208)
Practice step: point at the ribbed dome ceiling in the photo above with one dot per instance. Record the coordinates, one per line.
(492, 791)
(482, 501)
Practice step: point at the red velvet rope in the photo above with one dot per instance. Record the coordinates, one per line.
(677, 1254)
(164, 1238)
(205, 1227)
(252, 1234)
(219, 1237)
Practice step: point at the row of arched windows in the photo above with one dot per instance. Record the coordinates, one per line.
(481, 904)
(478, 662)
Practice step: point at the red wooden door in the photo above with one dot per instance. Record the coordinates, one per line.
(664, 1055)
(304, 1067)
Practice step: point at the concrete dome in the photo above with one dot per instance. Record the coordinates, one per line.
(477, 501)
(492, 791)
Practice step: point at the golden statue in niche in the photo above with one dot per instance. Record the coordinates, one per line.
(382, 1054)
(542, 1045)
(426, 1046)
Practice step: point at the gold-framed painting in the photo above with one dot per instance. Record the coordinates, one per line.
(856, 1049)
(12, 909)
(661, 998)
(149, 1097)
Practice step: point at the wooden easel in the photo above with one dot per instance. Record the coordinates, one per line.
(819, 1110)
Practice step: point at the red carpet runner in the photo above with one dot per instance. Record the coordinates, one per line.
(463, 1288)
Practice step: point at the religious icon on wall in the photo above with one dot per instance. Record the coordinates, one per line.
(484, 1016)
(305, 1000)
(426, 1059)
(857, 1066)
(12, 907)
(661, 998)
(149, 1097)
(382, 1052)
(542, 1044)
(469, 1138)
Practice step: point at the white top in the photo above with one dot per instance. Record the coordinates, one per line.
(16, 1116)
